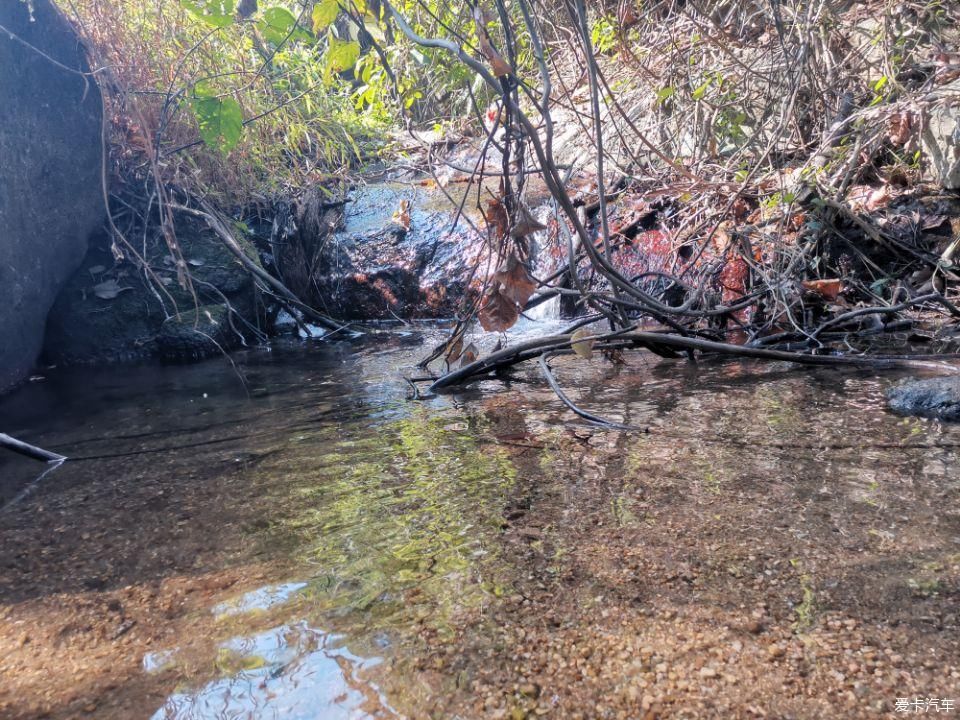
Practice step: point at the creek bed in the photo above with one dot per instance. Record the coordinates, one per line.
(287, 536)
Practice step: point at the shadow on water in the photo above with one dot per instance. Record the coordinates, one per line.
(382, 527)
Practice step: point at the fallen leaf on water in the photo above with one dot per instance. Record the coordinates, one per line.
(827, 289)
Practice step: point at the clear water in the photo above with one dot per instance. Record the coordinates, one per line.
(383, 519)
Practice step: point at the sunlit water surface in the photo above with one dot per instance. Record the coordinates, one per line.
(386, 514)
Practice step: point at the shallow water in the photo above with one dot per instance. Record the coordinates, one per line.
(383, 529)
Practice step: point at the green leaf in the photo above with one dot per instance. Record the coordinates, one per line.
(699, 93)
(665, 94)
(342, 55)
(217, 13)
(279, 25)
(220, 121)
(324, 13)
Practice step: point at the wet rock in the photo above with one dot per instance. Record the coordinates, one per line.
(50, 196)
(379, 269)
(140, 318)
(933, 398)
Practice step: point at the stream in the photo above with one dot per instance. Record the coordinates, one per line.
(287, 535)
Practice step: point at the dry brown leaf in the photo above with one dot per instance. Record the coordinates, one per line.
(470, 355)
(879, 198)
(526, 224)
(721, 238)
(402, 215)
(496, 217)
(514, 281)
(827, 289)
(899, 128)
(499, 66)
(498, 313)
(627, 15)
(454, 350)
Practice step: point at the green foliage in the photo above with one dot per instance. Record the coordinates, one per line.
(217, 13)
(278, 25)
(220, 120)
(323, 14)
(270, 99)
(603, 34)
(342, 54)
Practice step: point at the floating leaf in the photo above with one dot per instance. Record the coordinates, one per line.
(279, 26)
(217, 13)
(220, 121)
(342, 54)
(582, 347)
(324, 13)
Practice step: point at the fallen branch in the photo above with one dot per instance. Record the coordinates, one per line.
(588, 416)
(31, 451)
(633, 339)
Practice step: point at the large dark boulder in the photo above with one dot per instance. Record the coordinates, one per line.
(933, 398)
(50, 164)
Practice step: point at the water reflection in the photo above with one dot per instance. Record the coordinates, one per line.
(291, 672)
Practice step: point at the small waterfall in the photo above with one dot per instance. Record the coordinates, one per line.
(547, 310)
(543, 265)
